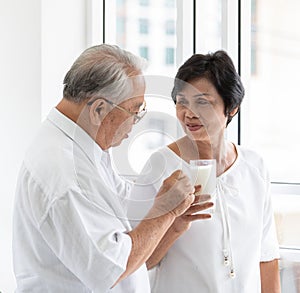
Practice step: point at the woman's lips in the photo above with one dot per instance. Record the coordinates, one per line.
(193, 127)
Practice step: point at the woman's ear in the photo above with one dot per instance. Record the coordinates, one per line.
(98, 111)
(233, 112)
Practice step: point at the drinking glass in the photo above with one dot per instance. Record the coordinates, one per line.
(203, 172)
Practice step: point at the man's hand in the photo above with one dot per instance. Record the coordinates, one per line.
(181, 224)
(175, 196)
(184, 221)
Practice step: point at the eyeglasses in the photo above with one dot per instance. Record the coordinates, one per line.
(136, 116)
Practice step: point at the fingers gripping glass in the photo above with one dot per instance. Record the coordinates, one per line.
(136, 116)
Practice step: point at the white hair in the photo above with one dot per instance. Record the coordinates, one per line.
(102, 71)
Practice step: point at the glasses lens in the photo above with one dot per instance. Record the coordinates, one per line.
(139, 115)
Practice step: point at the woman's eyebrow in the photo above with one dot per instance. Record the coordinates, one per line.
(200, 95)
(204, 95)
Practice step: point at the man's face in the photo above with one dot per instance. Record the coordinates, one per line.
(119, 121)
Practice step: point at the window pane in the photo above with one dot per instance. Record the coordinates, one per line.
(273, 113)
(144, 2)
(170, 3)
(144, 52)
(148, 29)
(140, 29)
(169, 56)
(170, 27)
(144, 26)
(209, 25)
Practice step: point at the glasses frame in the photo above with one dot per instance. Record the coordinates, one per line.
(136, 116)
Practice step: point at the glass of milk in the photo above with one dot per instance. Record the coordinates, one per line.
(203, 172)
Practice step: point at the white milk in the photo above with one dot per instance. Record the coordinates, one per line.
(203, 172)
(200, 176)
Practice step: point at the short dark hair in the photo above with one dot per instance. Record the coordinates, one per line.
(217, 68)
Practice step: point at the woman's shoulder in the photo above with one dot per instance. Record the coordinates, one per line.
(161, 164)
(252, 159)
(169, 152)
(159, 161)
(163, 160)
(249, 154)
(174, 148)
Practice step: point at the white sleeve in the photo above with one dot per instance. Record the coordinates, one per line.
(88, 239)
(123, 187)
(146, 187)
(269, 244)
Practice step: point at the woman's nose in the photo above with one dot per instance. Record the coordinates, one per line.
(190, 114)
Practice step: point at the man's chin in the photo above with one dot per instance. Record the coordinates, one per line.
(117, 143)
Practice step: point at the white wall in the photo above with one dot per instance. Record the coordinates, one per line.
(39, 41)
(63, 39)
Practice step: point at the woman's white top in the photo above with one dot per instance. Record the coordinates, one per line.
(70, 226)
(242, 229)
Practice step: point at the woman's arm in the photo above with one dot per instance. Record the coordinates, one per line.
(174, 197)
(270, 279)
(180, 225)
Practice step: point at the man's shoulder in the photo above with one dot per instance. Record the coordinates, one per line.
(50, 159)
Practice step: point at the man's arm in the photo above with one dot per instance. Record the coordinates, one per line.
(173, 199)
(179, 226)
(270, 279)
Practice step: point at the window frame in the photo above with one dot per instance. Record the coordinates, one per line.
(236, 40)
(245, 71)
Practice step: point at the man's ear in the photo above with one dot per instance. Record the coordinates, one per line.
(98, 111)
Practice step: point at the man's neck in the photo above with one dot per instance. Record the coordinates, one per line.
(70, 109)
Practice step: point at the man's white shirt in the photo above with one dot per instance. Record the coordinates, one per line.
(69, 219)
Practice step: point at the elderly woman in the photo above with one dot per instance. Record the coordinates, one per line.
(236, 250)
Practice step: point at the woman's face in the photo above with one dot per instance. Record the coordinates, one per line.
(200, 110)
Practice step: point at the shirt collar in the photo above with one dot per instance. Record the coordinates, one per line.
(79, 136)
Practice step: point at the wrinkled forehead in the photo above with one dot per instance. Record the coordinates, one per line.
(136, 86)
(127, 88)
(139, 84)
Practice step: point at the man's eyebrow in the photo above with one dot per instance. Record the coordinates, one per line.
(137, 105)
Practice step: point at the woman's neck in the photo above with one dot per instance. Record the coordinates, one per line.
(222, 151)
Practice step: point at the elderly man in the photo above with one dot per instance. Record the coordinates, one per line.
(70, 228)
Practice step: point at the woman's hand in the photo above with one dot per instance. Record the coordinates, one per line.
(183, 222)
